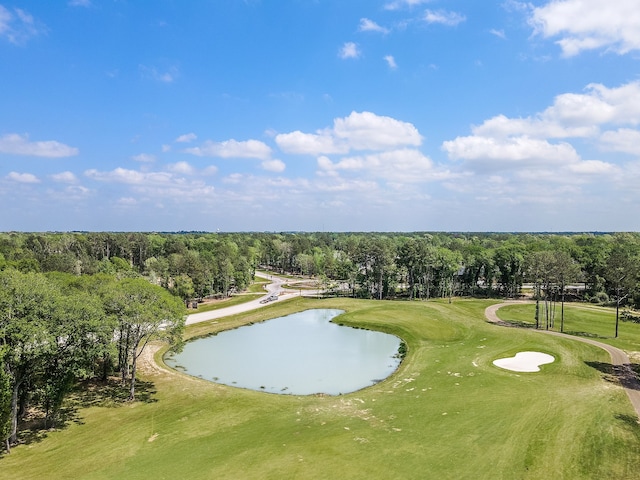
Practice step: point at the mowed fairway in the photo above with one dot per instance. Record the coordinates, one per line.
(448, 413)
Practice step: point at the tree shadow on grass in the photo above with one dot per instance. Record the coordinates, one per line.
(111, 393)
(583, 334)
(631, 422)
(90, 393)
(624, 375)
(515, 324)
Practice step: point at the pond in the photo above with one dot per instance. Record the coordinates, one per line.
(302, 354)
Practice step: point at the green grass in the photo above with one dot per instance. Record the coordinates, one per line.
(447, 413)
(582, 320)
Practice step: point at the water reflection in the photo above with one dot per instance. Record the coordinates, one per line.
(301, 354)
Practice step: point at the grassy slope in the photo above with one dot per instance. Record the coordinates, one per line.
(447, 413)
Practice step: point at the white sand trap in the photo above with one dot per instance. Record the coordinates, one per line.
(524, 361)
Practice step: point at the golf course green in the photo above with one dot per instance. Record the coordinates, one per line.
(447, 413)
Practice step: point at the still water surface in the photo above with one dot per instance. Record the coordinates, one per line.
(300, 354)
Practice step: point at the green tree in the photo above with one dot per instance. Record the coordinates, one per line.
(80, 336)
(621, 271)
(509, 259)
(144, 312)
(26, 311)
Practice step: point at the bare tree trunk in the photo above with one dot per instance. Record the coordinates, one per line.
(13, 433)
(132, 383)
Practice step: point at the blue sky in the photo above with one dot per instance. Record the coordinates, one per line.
(320, 115)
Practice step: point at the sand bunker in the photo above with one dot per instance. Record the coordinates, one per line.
(524, 361)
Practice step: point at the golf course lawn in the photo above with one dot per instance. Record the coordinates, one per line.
(447, 413)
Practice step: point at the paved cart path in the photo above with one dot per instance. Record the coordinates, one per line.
(275, 287)
(619, 359)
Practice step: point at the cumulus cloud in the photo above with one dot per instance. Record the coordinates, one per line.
(543, 146)
(273, 165)
(358, 131)
(233, 149)
(583, 25)
(592, 167)
(398, 4)
(625, 140)
(18, 26)
(144, 158)
(349, 50)
(186, 138)
(367, 25)
(368, 131)
(22, 177)
(64, 177)
(210, 170)
(572, 114)
(155, 186)
(131, 177)
(310, 143)
(15, 144)
(405, 165)
(509, 152)
(181, 167)
(443, 17)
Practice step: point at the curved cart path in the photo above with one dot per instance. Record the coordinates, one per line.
(619, 359)
(275, 287)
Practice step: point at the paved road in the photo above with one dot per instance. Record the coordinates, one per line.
(619, 359)
(275, 287)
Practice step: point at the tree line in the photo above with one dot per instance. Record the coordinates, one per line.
(371, 265)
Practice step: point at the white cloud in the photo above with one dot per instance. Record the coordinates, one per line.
(624, 140)
(498, 33)
(349, 50)
(210, 170)
(181, 167)
(274, 165)
(367, 25)
(64, 177)
(572, 115)
(22, 177)
(444, 17)
(368, 131)
(358, 131)
(166, 148)
(310, 143)
(155, 186)
(589, 24)
(391, 62)
(405, 165)
(592, 167)
(127, 201)
(186, 138)
(397, 4)
(79, 3)
(18, 26)
(15, 144)
(131, 177)
(144, 158)
(488, 152)
(233, 149)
